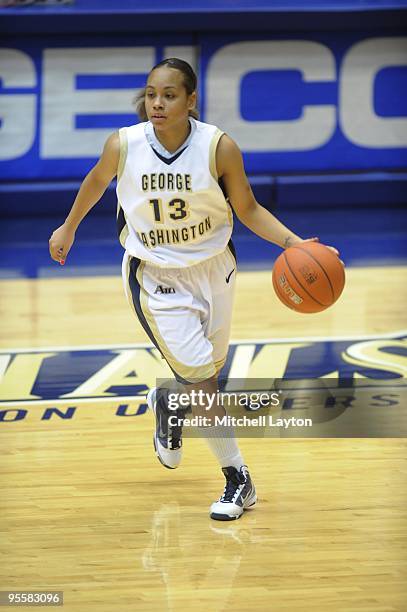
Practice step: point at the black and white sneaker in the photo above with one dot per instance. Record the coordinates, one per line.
(238, 496)
(167, 439)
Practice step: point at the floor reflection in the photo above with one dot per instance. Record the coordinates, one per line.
(197, 558)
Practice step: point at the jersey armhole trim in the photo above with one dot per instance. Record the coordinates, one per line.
(123, 152)
(212, 153)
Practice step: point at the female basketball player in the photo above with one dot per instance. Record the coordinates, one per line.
(179, 265)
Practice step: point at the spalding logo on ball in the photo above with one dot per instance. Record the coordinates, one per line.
(308, 277)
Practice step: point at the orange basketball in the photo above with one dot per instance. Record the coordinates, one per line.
(308, 277)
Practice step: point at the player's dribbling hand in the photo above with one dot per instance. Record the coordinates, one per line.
(60, 243)
(331, 248)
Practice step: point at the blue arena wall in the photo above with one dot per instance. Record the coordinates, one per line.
(313, 92)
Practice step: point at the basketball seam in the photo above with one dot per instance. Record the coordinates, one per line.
(301, 285)
(316, 261)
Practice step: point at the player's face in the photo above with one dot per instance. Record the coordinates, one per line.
(166, 100)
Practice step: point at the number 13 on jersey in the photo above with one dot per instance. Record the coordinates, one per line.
(177, 209)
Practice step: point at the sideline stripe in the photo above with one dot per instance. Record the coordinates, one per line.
(90, 347)
(130, 399)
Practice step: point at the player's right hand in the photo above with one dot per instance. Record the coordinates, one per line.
(60, 243)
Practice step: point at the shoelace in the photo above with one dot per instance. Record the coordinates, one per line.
(231, 487)
(175, 432)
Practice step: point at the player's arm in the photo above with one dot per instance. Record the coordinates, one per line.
(262, 222)
(93, 187)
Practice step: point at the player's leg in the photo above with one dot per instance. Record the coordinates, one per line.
(171, 316)
(178, 322)
(239, 492)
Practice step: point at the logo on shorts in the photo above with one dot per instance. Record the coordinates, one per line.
(161, 289)
(229, 275)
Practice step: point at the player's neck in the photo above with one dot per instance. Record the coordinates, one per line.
(172, 140)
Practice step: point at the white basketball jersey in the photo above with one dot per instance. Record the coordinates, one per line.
(171, 212)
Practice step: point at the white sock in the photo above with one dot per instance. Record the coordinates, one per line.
(222, 442)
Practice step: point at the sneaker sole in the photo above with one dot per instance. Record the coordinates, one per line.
(226, 517)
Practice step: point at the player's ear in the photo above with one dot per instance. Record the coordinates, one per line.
(192, 101)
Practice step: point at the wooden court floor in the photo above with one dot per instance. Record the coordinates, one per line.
(87, 509)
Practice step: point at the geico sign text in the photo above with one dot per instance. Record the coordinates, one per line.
(61, 101)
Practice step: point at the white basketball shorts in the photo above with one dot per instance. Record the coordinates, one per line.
(186, 312)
